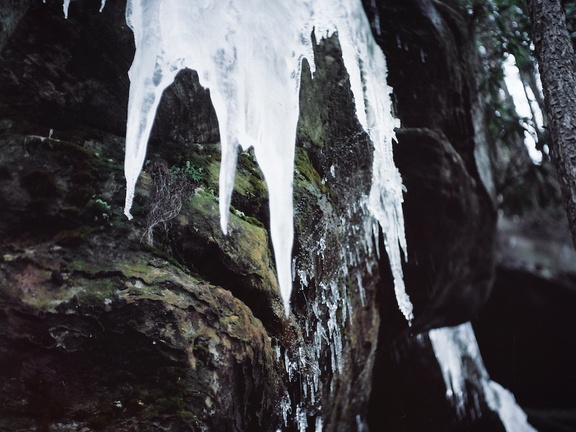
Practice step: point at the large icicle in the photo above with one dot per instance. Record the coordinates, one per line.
(249, 54)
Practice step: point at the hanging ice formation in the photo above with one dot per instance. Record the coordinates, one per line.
(66, 5)
(249, 54)
(459, 358)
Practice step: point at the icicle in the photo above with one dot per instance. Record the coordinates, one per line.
(319, 425)
(301, 419)
(65, 6)
(251, 61)
(366, 66)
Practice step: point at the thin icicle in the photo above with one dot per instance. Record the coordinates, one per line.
(65, 6)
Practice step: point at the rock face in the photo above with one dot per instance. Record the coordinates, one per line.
(450, 215)
(164, 322)
(100, 332)
(449, 211)
(526, 331)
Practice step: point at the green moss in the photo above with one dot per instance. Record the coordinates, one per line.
(311, 128)
(249, 178)
(253, 221)
(186, 415)
(306, 173)
(211, 173)
(204, 199)
(101, 291)
(97, 209)
(241, 215)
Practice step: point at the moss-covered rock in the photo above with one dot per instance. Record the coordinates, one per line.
(87, 349)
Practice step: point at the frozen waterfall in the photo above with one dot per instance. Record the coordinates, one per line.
(249, 54)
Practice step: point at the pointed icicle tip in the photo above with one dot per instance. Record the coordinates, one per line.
(65, 6)
(224, 224)
(129, 200)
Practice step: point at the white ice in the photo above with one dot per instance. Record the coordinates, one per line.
(502, 401)
(459, 358)
(526, 107)
(66, 6)
(249, 54)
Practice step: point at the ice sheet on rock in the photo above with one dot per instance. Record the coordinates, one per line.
(502, 401)
(451, 345)
(459, 358)
(249, 54)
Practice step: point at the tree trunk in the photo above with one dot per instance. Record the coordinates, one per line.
(555, 56)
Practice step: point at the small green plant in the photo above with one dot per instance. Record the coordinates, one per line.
(188, 171)
(239, 213)
(106, 208)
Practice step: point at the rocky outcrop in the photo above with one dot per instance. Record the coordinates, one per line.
(101, 331)
(164, 322)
